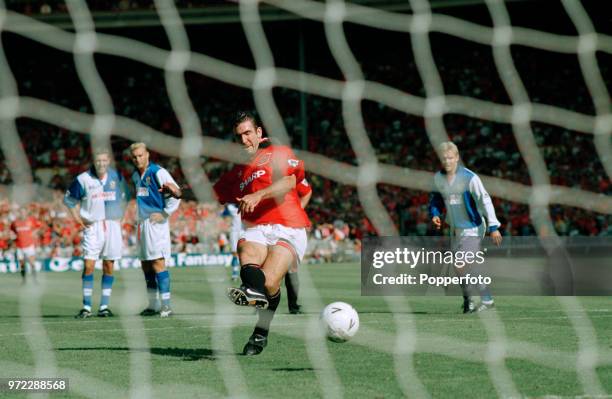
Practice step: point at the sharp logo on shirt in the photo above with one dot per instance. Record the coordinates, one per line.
(255, 175)
(293, 162)
(142, 192)
(454, 199)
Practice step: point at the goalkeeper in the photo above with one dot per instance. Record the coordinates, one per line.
(461, 192)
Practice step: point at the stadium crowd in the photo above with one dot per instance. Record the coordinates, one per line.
(338, 216)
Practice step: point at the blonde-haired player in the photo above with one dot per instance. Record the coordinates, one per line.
(462, 193)
(157, 197)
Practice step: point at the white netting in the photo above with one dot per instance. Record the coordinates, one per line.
(520, 114)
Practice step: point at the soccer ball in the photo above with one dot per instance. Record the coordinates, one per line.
(340, 321)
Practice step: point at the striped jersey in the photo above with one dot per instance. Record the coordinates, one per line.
(100, 199)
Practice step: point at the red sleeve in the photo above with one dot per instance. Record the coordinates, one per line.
(287, 164)
(224, 187)
(303, 188)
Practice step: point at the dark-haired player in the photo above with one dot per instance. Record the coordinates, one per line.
(275, 223)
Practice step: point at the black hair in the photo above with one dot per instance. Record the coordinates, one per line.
(243, 116)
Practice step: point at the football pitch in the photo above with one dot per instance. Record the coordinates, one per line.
(406, 347)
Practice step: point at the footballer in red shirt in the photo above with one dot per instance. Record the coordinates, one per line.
(23, 229)
(274, 238)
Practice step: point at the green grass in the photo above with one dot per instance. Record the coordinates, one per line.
(194, 354)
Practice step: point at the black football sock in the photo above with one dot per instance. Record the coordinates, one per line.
(465, 289)
(292, 283)
(266, 315)
(253, 277)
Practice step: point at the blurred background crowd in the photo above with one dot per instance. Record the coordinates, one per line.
(138, 91)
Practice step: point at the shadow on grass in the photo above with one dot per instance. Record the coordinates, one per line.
(185, 354)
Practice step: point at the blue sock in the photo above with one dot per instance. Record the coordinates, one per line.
(485, 294)
(163, 282)
(88, 281)
(235, 267)
(107, 288)
(152, 290)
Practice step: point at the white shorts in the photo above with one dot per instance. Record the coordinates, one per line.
(294, 239)
(154, 240)
(103, 240)
(27, 252)
(234, 237)
(478, 231)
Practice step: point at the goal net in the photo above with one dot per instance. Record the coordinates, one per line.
(365, 150)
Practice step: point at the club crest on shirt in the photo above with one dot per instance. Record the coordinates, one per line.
(264, 159)
(148, 181)
(112, 185)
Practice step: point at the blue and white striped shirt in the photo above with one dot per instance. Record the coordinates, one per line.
(99, 199)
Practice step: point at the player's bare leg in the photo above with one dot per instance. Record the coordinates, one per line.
(31, 263)
(88, 281)
(274, 268)
(252, 291)
(163, 285)
(151, 281)
(107, 286)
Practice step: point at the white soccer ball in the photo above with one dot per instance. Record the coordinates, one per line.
(340, 321)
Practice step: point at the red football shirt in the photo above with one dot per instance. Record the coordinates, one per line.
(267, 166)
(24, 231)
(303, 188)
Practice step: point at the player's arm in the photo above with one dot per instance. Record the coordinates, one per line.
(485, 207)
(278, 189)
(222, 189)
(304, 191)
(287, 170)
(172, 189)
(436, 207)
(72, 201)
(171, 203)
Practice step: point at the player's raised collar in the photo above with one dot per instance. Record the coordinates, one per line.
(264, 143)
